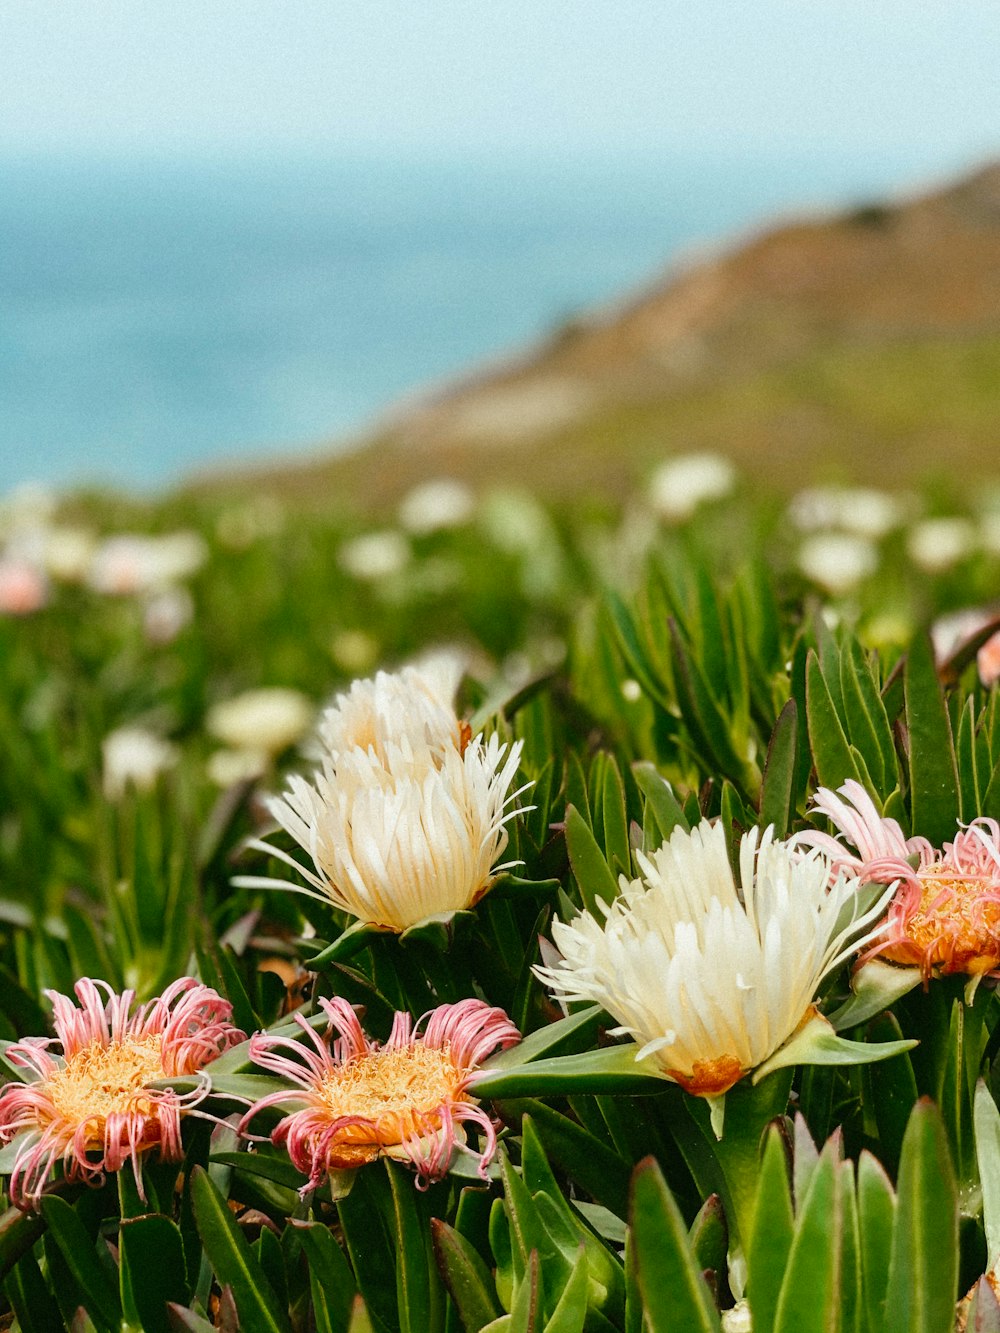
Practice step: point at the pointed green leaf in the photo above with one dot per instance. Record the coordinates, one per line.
(330, 1272)
(30, 1298)
(565, 1035)
(874, 988)
(661, 803)
(987, 1125)
(77, 1249)
(777, 798)
(818, 1044)
(613, 1069)
(709, 1235)
(674, 1293)
(876, 1221)
(152, 1271)
(416, 1275)
(593, 874)
(933, 773)
(232, 1258)
(570, 1312)
(923, 1270)
(773, 1230)
(830, 749)
(466, 1277)
(810, 1292)
(586, 1159)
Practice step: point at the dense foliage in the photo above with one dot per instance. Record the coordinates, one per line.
(656, 672)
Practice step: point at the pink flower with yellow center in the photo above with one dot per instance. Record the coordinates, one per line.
(945, 916)
(408, 1099)
(92, 1107)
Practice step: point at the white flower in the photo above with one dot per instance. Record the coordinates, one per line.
(267, 720)
(679, 486)
(228, 767)
(938, 543)
(166, 614)
(23, 589)
(68, 552)
(134, 755)
(712, 979)
(406, 817)
(861, 510)
(354, 650)
(375, 555)
(433, 505)
(132, 563)
(416, 703)
(837, 561)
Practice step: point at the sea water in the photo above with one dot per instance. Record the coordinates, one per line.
(161, 315)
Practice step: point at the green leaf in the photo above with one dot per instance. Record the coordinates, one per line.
(612, 1069)
(889, 1090)
(614, 819)
(634, 651)
(660, 800)
(346, 945)
(933, 773)
(709, 728)
(588, 1161)
(570, 1312)
(593, 874)
(772, 1233)
(99, 1296)
(709, 1235)
(566, 1034)
(970, 795)
(818, 1044)
(987, 1129)
(525, 1313)
(30, 1298)
(876, 1222)
(851, 1306)
(674, 1293)
(923, 1270)
(830, 749)
(810, 1294)
(330, 1272)
(416, 1275)
(18, 1233)
(152, 1271)
(466, 1277)
(874, 988)
(777, 797)
(232, 1259)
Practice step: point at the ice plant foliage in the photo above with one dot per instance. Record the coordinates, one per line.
(407, 815)
(408, 1099)
(945, 915)
(709, 977)
(89, 1105)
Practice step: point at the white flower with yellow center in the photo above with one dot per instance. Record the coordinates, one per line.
(406, 817)
(711, 978)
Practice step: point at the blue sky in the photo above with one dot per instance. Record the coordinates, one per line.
(911, 80)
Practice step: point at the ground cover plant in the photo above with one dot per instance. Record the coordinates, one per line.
(500, 916)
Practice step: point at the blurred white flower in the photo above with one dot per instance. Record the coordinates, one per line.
(67, 553)
(228, 767)
(862, 510)
(23, 587)
(166, 614)
(375, 555)
(407, 815)
(355, 650)
(711, 978)
(134, 563)
(266, 720)
(680, 485)
(515, 521)
(989, 532)
(935, 544)
(134, 755)
(631, 691)
(433, 505)
(837, 561)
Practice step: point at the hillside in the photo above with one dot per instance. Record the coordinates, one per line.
(861, 346)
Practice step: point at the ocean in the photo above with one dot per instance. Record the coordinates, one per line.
(165, 315)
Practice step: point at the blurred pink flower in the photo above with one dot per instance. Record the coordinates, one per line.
(407, 1099)
(945, 915)
(23, 589)
(91, 1106)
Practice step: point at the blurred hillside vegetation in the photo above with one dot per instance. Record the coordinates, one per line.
(858, 348)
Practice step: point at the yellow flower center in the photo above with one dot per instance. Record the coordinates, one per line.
(100, 1080)
(396, 1092)
(954, 927)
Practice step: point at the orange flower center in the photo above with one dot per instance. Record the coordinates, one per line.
(398, 1094)
(955, 927)
(100, 1080)
(709, 1078)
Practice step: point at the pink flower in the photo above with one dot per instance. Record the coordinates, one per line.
(945, 916)
(91, 1107)
(23, 589)
(407, 1099)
